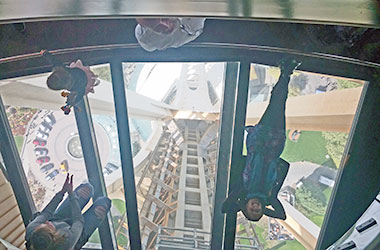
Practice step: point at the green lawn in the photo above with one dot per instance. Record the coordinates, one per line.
(122, 240)
(289, 245)
(260, 234)
(119, 205)
(317, 219)
(327, 193)
(311, 147)
(19, 142)
(94, 238)
(321, 195)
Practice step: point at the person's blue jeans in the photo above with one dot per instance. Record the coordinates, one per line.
(91, 221)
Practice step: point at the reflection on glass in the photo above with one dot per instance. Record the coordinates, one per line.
(319, 114)
(47, 142)
(141, 133)
(173, 110)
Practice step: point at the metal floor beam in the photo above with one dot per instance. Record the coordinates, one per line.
(126, 154)
(237, 148)
(94, 168)
(359, 12)
(264, 43)
(224, 153)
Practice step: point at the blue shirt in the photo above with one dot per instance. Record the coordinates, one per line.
(264, 147)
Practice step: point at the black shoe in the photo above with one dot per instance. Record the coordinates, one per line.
(20, 27)
(288, 65)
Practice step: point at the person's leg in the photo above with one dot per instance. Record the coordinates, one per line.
(274, 115)
(93, 217)
(84, 192)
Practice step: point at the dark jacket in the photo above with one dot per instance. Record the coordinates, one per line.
(237, 197)
(71, 232)
(78, 89)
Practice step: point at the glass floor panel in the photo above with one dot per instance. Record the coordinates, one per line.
(320, 110)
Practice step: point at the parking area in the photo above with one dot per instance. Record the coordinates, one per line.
(52, 147)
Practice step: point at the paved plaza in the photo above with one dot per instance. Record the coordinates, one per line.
(63, 144)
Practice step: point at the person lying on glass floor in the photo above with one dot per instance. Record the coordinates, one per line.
(264, 171)
(76, 80)
(66, 228)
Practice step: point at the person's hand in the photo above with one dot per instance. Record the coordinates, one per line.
(159, 25)
(68, 185)
(166, 26)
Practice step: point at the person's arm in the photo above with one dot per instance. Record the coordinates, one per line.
(282, 171)
(231, 204)
(78, 90)
(77, 221)
(79, 96)
(159, 25)
(76, 216)
(53, 204)
(277, 211)
(46, 213)
(51, 59)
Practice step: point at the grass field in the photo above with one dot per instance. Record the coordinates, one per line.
(119, 205)
(19, 142)
(95, 237)
(316, 218)
(311, 147)
(260, 234)
(327, 193)
(288, 245)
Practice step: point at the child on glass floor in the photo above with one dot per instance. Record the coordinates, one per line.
(76, 79)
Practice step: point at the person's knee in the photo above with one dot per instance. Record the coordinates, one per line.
(85, 191)
(103, 201)
(101, 207)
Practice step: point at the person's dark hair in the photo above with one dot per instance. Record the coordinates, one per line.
(45, 238)
(251, 218)
(243, 208)
(60, 79)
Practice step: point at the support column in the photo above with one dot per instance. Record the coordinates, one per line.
(237, 160)
(126, 154)
(224, 153)
(93, 168)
